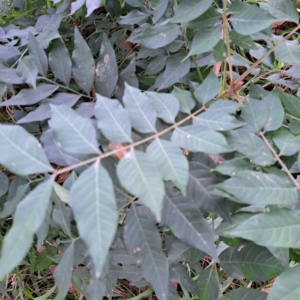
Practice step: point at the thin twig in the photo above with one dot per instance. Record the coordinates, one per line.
(278, 159)
(227, 40)
(101, 156)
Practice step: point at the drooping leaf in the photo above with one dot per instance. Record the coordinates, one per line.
(186, 222)
(74, 133)
(156, 65)
(83, 62)
(284, 10)
(136, 167)
(255, 113)
(106, 69)
(166, 106)
(170, 161)
(60, 61)
(140, 110)
(244, 41)
(113, 7)
(37, 55)
(185, 98)
(113, 120)
(21, 152)
(31, 96)
(287, 143)
(286, 286)
(250, 20)
(209, 88)
(257, 188)
(29, 216)
(251, 262)
(63, 272)
(96, 289)
(208, 19)
(143, 239)
(245, 294)
(291, 104)
(178, 273)
(200, 139)
(181, 251)
(156, 36)
(276, 112)
(175, 69)
(27, 70)
(97, 215)
(207, 284)
(278, 228)
(205, 39)
(250, 145)
(189, 10)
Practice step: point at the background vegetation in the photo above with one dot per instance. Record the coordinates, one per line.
(149, 149)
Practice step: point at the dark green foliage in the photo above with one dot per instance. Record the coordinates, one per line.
(142, 140)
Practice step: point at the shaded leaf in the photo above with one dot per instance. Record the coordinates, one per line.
(175, 69)
(27, 70)
(245, 294)
(97, 215)
(186, 222)
(31, 96)
(205, 39)
(83, 62)
(63, 272)
(142, 237)
(60, 61)
(37, 55)
(207, 284)
(251, 262)
(156, 65)
(106, 68)
(29, 216)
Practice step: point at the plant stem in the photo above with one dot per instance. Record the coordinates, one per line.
(91, 160)
(227, 40)
(278, 159)
(65, 87)
(197, 68)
